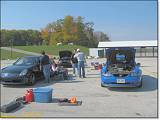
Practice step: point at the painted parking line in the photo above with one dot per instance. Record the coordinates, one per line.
(32, 114)
(8, 116)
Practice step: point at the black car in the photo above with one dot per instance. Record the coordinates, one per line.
(65, 58)
(25, 70)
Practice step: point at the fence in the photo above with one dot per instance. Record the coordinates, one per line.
(146, 51)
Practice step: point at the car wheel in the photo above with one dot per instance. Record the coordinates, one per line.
(32, 79)
(102, 85)
(65, 77)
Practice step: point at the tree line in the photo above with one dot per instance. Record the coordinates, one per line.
(20, 37)
(67, 30)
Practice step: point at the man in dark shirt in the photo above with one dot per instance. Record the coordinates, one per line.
(74, 63)
(45, 66)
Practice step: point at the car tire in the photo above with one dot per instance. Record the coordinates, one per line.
(65, 77)
(140, 83)
(102, 85)
(31, 79)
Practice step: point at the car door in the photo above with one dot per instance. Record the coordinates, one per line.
(37, 66)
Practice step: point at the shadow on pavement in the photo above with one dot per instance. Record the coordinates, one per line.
(149, 84)
(42, 83)
(69, 81)
(39, 83)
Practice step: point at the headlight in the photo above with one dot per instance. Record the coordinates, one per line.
(3, 68)
(4, 74)
(24, 72)
(107, 74)
(134, 74)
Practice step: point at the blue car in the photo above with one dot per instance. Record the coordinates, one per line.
(121, 69)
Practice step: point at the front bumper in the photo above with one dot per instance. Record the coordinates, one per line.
(121, 85)
(129, 81)
(66, 65)
(16, 80)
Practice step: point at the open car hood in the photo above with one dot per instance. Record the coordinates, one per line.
(65, 53)
(126, 54)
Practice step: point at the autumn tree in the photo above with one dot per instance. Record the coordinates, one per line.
(70, 29)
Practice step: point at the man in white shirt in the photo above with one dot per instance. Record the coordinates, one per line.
(81, 58)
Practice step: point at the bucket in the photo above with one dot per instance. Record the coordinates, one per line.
(42, 94)
(99, 66)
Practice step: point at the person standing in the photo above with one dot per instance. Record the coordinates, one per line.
(81, 58)
(74, 63)
(45, 66)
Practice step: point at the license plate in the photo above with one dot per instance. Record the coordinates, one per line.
(120, 80)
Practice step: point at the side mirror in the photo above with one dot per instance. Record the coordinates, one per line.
(138, 64)
(15, 61)
(103, 64)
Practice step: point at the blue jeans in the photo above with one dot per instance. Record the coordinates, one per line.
(75, 68)
(81, 67)
(46, 72)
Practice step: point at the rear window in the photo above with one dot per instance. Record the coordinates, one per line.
(120, 57)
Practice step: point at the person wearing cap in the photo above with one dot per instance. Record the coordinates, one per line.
(45, 65)
(81, 58)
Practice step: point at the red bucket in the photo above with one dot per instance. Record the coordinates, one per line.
(99, 66)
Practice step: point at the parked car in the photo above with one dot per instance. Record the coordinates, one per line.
(25, 70)
(65, 59)
(121, 69)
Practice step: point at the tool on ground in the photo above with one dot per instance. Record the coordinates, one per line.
(69, 102)
(20, 98)
(73, 100)
(63, 100)
(78, 103)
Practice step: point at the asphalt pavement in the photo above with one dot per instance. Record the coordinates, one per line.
(97, 101)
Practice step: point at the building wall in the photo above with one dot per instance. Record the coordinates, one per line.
(94, 52)
(140, 51)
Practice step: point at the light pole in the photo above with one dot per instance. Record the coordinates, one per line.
(11, 43)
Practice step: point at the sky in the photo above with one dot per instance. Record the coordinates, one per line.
(120, 20)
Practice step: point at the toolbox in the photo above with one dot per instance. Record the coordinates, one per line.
(42, 94)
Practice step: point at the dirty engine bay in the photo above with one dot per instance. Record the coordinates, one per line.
(120, 69)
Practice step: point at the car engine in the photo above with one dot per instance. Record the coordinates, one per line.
(120, 70)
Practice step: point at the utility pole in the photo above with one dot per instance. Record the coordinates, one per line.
(11, 43)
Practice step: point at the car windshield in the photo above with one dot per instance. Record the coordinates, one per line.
(120, 57)
(26, 61)
(65, 58)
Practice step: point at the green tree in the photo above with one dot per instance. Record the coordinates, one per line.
(69, 29)
(20, 37)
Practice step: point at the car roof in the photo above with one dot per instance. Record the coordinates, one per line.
(126, 49)
(32, 56)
